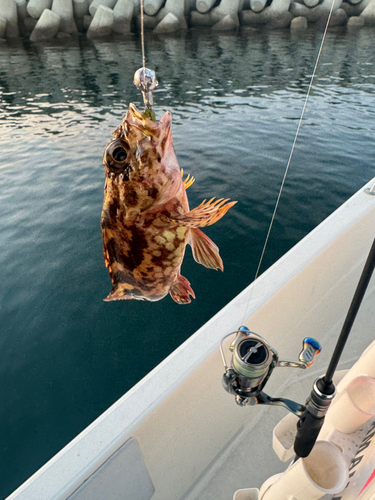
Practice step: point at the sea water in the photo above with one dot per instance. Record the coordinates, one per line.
(65, 355)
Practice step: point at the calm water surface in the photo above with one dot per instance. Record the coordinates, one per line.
(66, 356)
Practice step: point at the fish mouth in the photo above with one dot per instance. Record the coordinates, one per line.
(134, 111)
(140, 121)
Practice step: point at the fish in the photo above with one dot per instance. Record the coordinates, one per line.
(146, 221)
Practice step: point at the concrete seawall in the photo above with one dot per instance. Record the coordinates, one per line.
(40, 20)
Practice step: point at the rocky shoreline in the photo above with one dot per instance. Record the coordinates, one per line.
(39, 20)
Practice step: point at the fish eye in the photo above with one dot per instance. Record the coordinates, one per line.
(115, 156)
(119, 154)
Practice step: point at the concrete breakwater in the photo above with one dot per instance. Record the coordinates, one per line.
(46, 19)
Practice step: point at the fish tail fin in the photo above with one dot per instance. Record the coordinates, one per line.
(206, 214)
(181, 291)
(205, 251)
(118, 292)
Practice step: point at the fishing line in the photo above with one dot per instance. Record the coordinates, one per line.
(144, 78)
(291, 152)
(143, 38)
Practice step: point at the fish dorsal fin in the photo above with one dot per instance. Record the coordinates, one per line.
(205, 251)
(188, 181)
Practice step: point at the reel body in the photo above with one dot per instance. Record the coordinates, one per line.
(253, 361)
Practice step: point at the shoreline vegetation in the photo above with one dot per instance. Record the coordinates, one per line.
(39, 20)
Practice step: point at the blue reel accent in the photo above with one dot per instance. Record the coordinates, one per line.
(314, 343)
(311, 348)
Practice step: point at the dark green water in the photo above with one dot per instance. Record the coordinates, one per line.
(66, 356)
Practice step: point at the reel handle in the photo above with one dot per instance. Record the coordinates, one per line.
(310, 349)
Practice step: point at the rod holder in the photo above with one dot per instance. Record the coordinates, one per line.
(323, 472)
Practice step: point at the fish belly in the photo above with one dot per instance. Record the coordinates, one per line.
(144, 262)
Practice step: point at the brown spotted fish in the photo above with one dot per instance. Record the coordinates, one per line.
(146, 221)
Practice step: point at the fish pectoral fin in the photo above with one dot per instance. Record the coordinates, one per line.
(205, 251)
(206, 214)
(119, 292)
(181, 291)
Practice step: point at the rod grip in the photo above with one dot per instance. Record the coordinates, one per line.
(310, 423)
(308, 428)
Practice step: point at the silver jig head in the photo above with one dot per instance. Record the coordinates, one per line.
(145, 81)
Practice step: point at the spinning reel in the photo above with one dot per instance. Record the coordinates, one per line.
(253, 361)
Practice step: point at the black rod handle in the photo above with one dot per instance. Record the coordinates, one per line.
(308, 428)
(309, 425)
